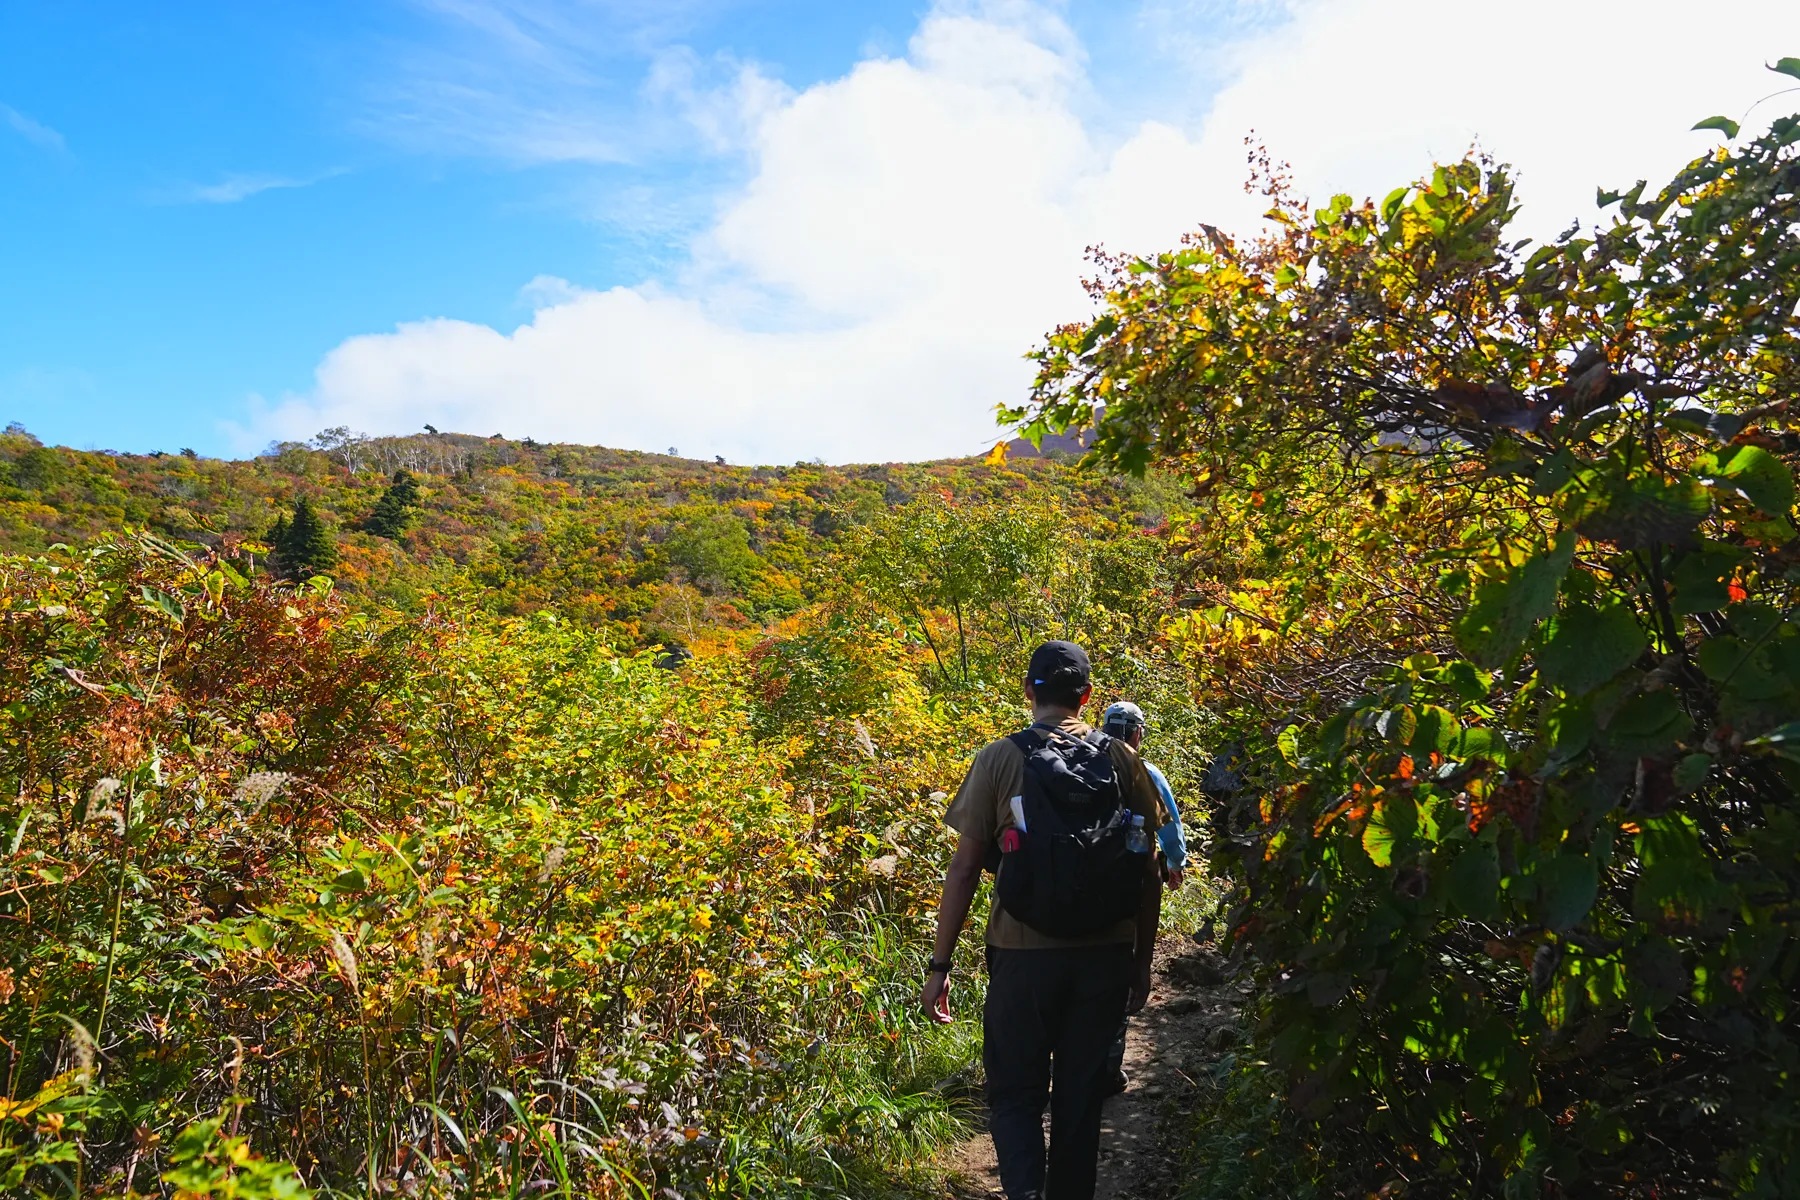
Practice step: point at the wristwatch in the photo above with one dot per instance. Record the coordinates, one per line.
(934, 967)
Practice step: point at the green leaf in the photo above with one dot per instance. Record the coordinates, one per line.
(1333, 735)
(1437, 729)
(1390, 207)
(1378, 843)
(1754, 474)
(1103, 327)
(1786, 66)
(1470, 682)
(1702, 580)
(1397, 725)
(1474, 883)
(1567, 886)
(1724, 125)
(1505, 612)
(1584, 647)
(1692, 771)
(1492, 1049)
(1784, 741)
(1634, 511)
(164, 603)
(1657, 973)
(1401, 815)
(1648, 723)
(1288, 742)
(1675, 882)
(1720, 657)
(1395, 820)
(1480, 742)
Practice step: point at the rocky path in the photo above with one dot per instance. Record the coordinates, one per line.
(1191, 1019)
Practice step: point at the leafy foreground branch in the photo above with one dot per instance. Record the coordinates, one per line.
(1497, 592)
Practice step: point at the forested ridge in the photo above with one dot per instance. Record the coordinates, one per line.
(459, 816)
(650, 546)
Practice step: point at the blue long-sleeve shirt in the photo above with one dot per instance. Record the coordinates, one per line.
(1169, 834)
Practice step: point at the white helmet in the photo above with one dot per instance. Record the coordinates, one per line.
(1123, 715)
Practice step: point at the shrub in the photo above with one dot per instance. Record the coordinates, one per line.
(1498, 594)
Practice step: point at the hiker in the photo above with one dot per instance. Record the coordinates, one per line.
(1125, 722)
(1071, 930)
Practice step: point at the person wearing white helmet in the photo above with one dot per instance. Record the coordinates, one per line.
(1125, 721)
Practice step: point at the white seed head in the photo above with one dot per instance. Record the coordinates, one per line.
(552, 859)
(346, 960)
(261, 787)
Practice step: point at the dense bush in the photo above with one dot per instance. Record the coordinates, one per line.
(461, 905)
(1498, 594)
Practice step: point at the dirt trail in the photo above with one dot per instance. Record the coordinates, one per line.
(1189, 1021)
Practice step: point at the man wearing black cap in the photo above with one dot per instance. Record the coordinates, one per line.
(1050, 999)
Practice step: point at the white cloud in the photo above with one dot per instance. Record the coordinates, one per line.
(32, 131)
(725, 114)
(528, 82)
(1362, 95)
(233, 188)
(909, 230)
(547, 291)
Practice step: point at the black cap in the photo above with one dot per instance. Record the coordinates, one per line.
(1058, 662)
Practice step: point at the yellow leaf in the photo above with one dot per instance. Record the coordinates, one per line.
(997, 455)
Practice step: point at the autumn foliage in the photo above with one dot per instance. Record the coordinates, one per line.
(1499, 585)
(463, 902)
(306, 892)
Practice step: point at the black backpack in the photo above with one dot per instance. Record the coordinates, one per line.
(1074, 870)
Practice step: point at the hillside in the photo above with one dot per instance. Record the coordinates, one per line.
(483, 898)
(649, 547)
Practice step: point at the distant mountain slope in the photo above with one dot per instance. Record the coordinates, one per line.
(651, 545)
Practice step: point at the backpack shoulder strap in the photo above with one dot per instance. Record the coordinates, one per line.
(1028, 739)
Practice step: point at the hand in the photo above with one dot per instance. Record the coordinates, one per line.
(1139, 994)
(1174, 877)
(934, 997)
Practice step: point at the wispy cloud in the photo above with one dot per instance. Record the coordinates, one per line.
(531, 82)
(36, 133)
(234, 188)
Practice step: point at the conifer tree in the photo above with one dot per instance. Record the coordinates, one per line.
(303, 546)
(394, 511)
(277, 538)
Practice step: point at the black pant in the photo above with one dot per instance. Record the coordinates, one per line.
(1115, 1055)
(1066, 1005)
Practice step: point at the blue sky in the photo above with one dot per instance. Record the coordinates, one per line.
(139, 313)
(766, 229)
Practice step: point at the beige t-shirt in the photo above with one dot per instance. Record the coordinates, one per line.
(983, 807)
